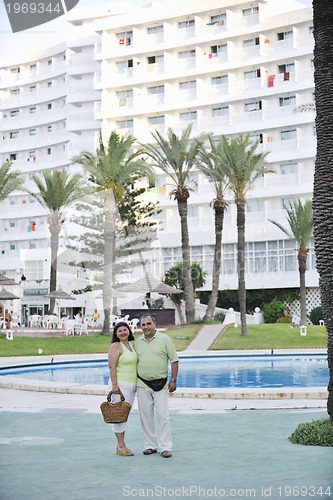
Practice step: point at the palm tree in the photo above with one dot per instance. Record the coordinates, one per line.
(9, 180)
(176, 157)
(299, 218)
(57, 190)
(242, 166)
(323, 181)
(211, 164)
(110, 170)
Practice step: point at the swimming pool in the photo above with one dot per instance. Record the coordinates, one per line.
(257, 371)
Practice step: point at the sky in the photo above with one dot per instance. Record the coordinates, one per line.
(12, 45)
(43, 36)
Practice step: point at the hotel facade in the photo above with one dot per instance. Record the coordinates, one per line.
(227, 67)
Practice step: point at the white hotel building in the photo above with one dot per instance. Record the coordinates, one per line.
(226, 66)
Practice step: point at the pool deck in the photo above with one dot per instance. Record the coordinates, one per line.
(55, 446)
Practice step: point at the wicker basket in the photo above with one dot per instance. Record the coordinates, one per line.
(115, 413)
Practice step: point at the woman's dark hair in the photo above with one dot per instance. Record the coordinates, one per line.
(115, 329)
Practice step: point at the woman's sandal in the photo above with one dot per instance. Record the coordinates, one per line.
(124, 453)
(149, 451)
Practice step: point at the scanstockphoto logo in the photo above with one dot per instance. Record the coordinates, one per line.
(25, 15)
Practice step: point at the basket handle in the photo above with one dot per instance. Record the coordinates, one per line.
(122, 397)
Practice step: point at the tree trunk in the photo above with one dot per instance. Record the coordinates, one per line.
(109, 241)
(54, 226)
(188, 291)
(219, 216)
(302, 287)
(240, 203)
(178, 308)
(323, 179)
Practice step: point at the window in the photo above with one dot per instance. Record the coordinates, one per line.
(218, 19)
(186, 54)
(252, 42)
(248, 75)
(154, 30)
(13, 156)
(289, 169)
(125, 124)
(33, 110)
(15, 91)
(122, 65)
(286, 68)
(156, 120)
(14, 135)
(15, 112)
(255, 206)
(186, 24)
(252, 106)
(155, 59)
(193, 211)
(287, 135)
(49, 106)
(157, 89)
(12, 246)
(221, 111)
(49, 62)
(287, 101)
(229, 258)
(49, 128)
(32, 88)
(49, 84)
(15, 70)
(191, 84)
(32, 131)
(220, 80)
(256, 137)
(285, 35)
(219, 49)
(188, 116)
(125, 37)
(250, 11)
(49, 151)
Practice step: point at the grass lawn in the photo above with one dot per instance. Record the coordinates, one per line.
(272, 336)
(28, 346)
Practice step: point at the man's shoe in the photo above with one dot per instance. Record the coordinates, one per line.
(166, 454)
(149, 451)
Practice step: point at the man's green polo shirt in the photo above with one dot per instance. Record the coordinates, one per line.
(153, 356)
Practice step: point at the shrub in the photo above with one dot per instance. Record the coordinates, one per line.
(315, 433)
(316, 314)
(273, 311)
(219, 317)
(285, 319)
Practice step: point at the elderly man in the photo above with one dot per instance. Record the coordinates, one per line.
(155, 350)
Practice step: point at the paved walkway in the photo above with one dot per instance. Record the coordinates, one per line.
(57, 447)
(205, 338)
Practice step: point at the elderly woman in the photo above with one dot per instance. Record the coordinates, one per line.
(122, 364)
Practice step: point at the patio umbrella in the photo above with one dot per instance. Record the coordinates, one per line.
(6, 295)
(59, 294)
(5, 281)
(148, 283)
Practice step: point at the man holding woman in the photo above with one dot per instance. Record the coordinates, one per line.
(148, 360)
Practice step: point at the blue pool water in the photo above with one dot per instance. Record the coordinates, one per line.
(200, 372)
